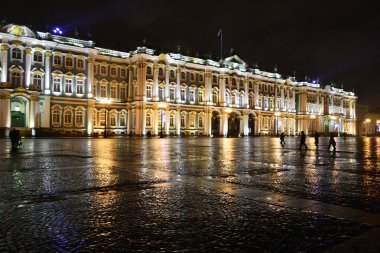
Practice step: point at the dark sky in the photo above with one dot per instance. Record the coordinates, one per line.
(335, 41)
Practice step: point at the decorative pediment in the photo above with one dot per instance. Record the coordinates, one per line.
(235, 59)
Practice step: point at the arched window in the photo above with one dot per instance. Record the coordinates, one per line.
(183, 120)
(192, 121)
(172, 120)
(113, 72)
(102, 118)
(200, 121)
(200, 96)
(183, 94)
(123, 119)
(69, 62)
(37, 79)
(16, 54)
(172, 74)
(149, 70)
(113, 119)
(183, 75)
(161, 92)
(148, 119)
(172, 93)
(103, 70)
(79, 118)
(122, 72)
(192, 95)
(57, 60)
(214, 79)
(56, 117)
(227, 98)
(215, 96)
(68, 117)
(161, 72)
(201, 78)
(16, 78)
(37, 57)
(57, 84)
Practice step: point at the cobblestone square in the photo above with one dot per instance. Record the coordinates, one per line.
(189, 195)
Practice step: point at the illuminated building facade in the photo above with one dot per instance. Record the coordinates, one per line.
(58, 85)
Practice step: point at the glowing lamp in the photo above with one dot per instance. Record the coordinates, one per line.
(57, 30)
(367, 120)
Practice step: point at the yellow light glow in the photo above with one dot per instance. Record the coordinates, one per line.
(162, 105)
(367, 120)
(312, 116)
(228, 110)
(277, 114)
(105, 101)
(377, 121)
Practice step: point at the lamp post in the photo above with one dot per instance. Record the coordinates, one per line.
(367, 121)
(277, 114)
(162, 106)
(106, 102)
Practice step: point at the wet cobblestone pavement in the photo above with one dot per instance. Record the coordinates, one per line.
(149, 195)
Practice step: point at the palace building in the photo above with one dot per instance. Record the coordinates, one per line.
(52, 84)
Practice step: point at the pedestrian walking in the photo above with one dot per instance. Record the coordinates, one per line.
(282, 139)
(316, 139)
(332, 142)
(303, 140)
(15, 139)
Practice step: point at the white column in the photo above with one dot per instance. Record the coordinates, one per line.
(46, 89)
(224, 124)
(90, 116)
(129, 120)
(178, 121)
(222, 90)
(90, 77)
(130, 84)
(4, 62)
(155, 83)
(178, 89)
(245, 125)
(167, 121)
(275, 97)
(294, 101)
(167, 84)
(246, 103)
(45, 117)
(256, 93)
(208, 88)
(34, 113)
(28, 65)
(5, 108)
(209, 119)
(282, 103)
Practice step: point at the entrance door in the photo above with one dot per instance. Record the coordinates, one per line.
(18, 111)
(251, 124)
(233, 125)
(215, 124)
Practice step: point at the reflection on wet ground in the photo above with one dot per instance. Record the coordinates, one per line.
(151, 195)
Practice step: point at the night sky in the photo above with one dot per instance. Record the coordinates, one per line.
(335, 41)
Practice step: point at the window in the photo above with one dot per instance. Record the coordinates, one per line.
(183, 75)
(102, 118)
(214, 79)
(201, 78)
(183, 121)
(113, 119)
(215, 96)
(56, 117)
(113, 72)
(122, 93)
(192, 77)
(69, 86)
(250, 85)
(200, 121)
(123, 120)
(37, 57)
(79, 118)
(227, 98)
(183, 94)
(241, 83)
(200, 96)
(226, 81)
(122, 72)
(113, 92)
(103, 70)
(37, 79)
(149, 91)
(172, 120)
(171, 93)
(172, 74)
(160, 72)
(80, 64)
(192, 96)
(95, 90)
(16, 54)
(57, 60)
(161, 92)
(16, 78)
(233, 81)
(57, 84)
(148, 119)
(68, 117)
(80, 85)
(192, 121)
(149, 71)
(103, 91)
(69, 62)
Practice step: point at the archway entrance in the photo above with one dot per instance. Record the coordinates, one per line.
(251, 124)
(233, 125)
(215, 123)
(18, 111)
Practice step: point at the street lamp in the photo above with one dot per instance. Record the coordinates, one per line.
(277, 114)
(106, 102)
(162, 106)
(367, 121)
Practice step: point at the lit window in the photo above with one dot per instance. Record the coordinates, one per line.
(68, 117)
(122, 93)
(16, 78)
(192, 121)
(200, 96)
(113, 72)
(122, 72)
(161, 92)
(113, 92)
(148, 120)
(103, 70)
(79, 118)
(171, 93)
(123, 120)
(56, 117)
(57, 60)
(103, 91)
(57, 84)
(113, 119)
(183, 120)
(215, 96)
(172, 120)
(149, 91)
(37, 79)
(200, 121)
(183, 94)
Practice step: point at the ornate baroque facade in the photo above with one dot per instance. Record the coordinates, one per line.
(59, 85)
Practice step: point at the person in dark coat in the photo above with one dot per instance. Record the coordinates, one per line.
(316, 139)
(332, 142)
(303, 140)
(15, 138)
(282, 139)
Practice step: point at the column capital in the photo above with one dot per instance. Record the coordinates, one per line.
(4, 47)
(91, 60)
(48, 53)
(28, 51)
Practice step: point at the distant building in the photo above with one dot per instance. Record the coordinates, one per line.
(367, 123)
(51, 84)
